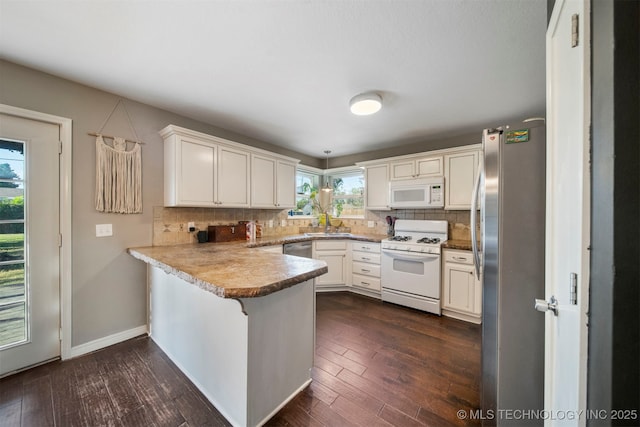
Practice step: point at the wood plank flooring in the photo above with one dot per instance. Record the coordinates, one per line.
(376, 364)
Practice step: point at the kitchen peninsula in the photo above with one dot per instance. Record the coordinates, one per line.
(238, 322)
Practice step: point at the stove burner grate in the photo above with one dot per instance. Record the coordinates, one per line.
(400, 238)
(430, 240)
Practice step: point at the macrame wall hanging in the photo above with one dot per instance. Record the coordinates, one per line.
(118, 171)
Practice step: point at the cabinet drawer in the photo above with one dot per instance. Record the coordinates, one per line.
(366, 247)
(366, 257)
(366, 269)
(366, 282)
(331, 245)
(459, 257)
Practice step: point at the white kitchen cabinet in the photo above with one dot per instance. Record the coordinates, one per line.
(365, 268)
(199, 173)
(335, 254)
(460, 174)
(285, 184)
(193, 162)
(416, 168)
(461, 289)
(272, 183)
(232, 170)
(377, 187)
(204, 170)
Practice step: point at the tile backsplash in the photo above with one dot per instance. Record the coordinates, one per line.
(170, 224)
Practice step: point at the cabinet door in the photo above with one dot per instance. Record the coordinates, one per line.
(336, 274)
(263, 182)
(195, 177)
(233, 177)
(377, 187)
(403, 170)
(431, 166)
(460, 175)
(459, 288)
(286, 185)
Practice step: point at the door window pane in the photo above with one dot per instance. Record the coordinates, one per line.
(13, 288)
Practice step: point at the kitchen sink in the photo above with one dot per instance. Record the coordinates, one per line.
(327, 234)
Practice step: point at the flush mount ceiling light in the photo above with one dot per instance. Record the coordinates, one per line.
(365, 104)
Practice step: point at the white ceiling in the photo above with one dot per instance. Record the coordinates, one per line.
(284, 71)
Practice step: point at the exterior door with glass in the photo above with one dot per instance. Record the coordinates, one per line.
(29, 243)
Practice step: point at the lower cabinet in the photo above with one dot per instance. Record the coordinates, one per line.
(334, 253)
(461, 289)
(365, 268)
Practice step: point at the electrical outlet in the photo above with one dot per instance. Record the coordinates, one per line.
(283, 223)
(104, 230)
(371, 224)
(191, 226)
(270, 223)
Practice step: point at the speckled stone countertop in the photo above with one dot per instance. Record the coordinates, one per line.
(235, 269)
(281, 240)
(463, 245)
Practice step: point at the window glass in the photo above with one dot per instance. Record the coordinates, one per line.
(348, 194)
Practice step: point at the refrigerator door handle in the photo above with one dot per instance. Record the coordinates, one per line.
(474, 215)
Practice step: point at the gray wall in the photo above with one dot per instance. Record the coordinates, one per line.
(109, 286)
(614, 324)
(401, 149)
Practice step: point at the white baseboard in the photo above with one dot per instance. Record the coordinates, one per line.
(101, 343)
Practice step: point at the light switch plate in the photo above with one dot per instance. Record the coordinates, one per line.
(371, 224)
(283, 223)
(270, 223)
(104, 230)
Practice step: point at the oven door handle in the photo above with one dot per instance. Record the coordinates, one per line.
(405, 256)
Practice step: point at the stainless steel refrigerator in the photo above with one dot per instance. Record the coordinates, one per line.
(510, 193)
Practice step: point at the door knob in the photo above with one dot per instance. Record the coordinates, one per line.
(552, 305)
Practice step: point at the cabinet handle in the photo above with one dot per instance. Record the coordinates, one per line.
(366, 259)
(459, 258)
(365, 283)
(365, 271)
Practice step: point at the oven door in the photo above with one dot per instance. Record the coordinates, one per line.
(410, 272)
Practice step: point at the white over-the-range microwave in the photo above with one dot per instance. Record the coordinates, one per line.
(423, 193)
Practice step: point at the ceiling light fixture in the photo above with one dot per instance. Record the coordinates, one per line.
(365, 104)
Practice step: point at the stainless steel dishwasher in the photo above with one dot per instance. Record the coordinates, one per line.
(301, 249)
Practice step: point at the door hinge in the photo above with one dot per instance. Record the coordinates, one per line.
(574, 30)
(59, 147)
(573, 289)
(60, 333)
(59, 240)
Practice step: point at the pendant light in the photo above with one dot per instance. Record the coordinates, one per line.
(326, 191)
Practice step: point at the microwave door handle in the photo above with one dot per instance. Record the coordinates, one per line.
(474, 214)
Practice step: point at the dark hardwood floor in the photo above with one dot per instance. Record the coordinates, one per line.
(376, 364)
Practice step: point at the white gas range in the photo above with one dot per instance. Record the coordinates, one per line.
(411, 264)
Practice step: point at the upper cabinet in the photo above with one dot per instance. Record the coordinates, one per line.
(376, 178)
(272, 183)
(203, 170)
(458, 166)
(460, 170)
(232, 169)
(416, 168)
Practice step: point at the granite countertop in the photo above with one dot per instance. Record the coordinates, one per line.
(463, 245)
(235, 269)
(281, 240)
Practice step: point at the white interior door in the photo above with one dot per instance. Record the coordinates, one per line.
(567, 211)
(29, 248)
